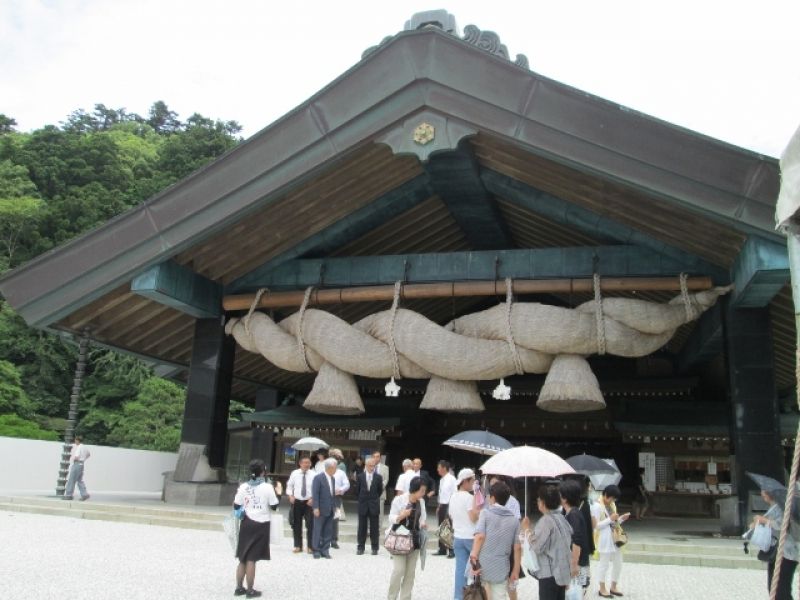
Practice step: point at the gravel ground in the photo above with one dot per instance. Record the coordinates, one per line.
(60, 557)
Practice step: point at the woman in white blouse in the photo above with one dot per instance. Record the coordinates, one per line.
(464, 514)
(256, 498)
(604, 520)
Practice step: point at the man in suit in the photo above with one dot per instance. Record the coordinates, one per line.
(369, 487)
(322, 501)
(426, 478)
(383, 471)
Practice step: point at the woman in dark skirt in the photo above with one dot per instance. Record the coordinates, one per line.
(257, 498)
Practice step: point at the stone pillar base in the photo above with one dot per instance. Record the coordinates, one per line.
(193, 493)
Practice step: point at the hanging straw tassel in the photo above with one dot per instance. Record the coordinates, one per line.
(334, 393)
(570, 386)
(448, 395)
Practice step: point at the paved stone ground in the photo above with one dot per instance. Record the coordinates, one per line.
(59, 557)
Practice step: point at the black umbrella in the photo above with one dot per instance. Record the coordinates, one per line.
(481, 442)
(586, 464)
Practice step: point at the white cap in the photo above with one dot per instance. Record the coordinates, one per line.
(463, 475)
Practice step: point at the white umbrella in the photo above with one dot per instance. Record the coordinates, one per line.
(526, 461)
(309, 443)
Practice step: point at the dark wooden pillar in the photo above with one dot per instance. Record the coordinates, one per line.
(208, 394)
(263, 443)
(755, 422)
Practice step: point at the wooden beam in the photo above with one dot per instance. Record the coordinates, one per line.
(705, 341)
(455, 177)
(176, 286)
(394, 203)
(759, 273)
(536, 263)
(590, 223)
(383, 293)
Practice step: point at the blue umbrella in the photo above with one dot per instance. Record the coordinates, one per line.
(481, 442)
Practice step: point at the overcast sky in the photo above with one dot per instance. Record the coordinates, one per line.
(727, 69)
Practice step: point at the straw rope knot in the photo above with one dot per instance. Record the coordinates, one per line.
(598, 315)
(300, 342)
(509, 332)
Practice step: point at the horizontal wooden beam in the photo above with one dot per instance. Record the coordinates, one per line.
(759, 273)
(382, 293)
(537, 263)
(176, 286)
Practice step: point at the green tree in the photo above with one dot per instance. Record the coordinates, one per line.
(112, 380)
(46, 362)
(17, 427)
(13, 398)
(7, 124)
(153, 420)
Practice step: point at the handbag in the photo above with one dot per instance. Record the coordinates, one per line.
(474, 589)
(445, 532)
(619, 536)
(574, 590)
(399, 543)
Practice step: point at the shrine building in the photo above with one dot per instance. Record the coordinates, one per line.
(398, 206)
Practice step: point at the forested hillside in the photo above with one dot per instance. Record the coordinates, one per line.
(56, 183)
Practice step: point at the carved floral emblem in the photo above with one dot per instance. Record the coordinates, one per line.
(424, 133)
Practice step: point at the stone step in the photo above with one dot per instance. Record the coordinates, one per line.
(733, 549)
(121, 517)
(91, 506)
(693, 560)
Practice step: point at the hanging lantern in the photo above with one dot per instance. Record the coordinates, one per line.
(570, 386)
(502, 391)
(392, 389)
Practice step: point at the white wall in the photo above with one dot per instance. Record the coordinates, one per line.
(34, 464)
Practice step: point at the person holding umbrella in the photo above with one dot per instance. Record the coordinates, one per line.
(774, 494)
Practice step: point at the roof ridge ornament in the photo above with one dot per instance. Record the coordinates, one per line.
(488, 41)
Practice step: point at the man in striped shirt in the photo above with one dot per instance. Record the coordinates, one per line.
(496, 534)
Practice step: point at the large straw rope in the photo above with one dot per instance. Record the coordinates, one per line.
(790, 493)
(490, 344)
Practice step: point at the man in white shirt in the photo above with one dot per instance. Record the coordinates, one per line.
(342, 485)
(447, 487)
(298, 488)
(401, 487)
(77, 456)
(383, 471)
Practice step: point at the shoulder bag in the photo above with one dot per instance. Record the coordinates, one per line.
(398, 543)
(446, 535)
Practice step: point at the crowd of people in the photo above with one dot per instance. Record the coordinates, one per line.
(491, 539)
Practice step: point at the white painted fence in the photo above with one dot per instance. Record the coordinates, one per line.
(32, 465)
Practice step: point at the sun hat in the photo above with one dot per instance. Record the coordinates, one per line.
(463, 475)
